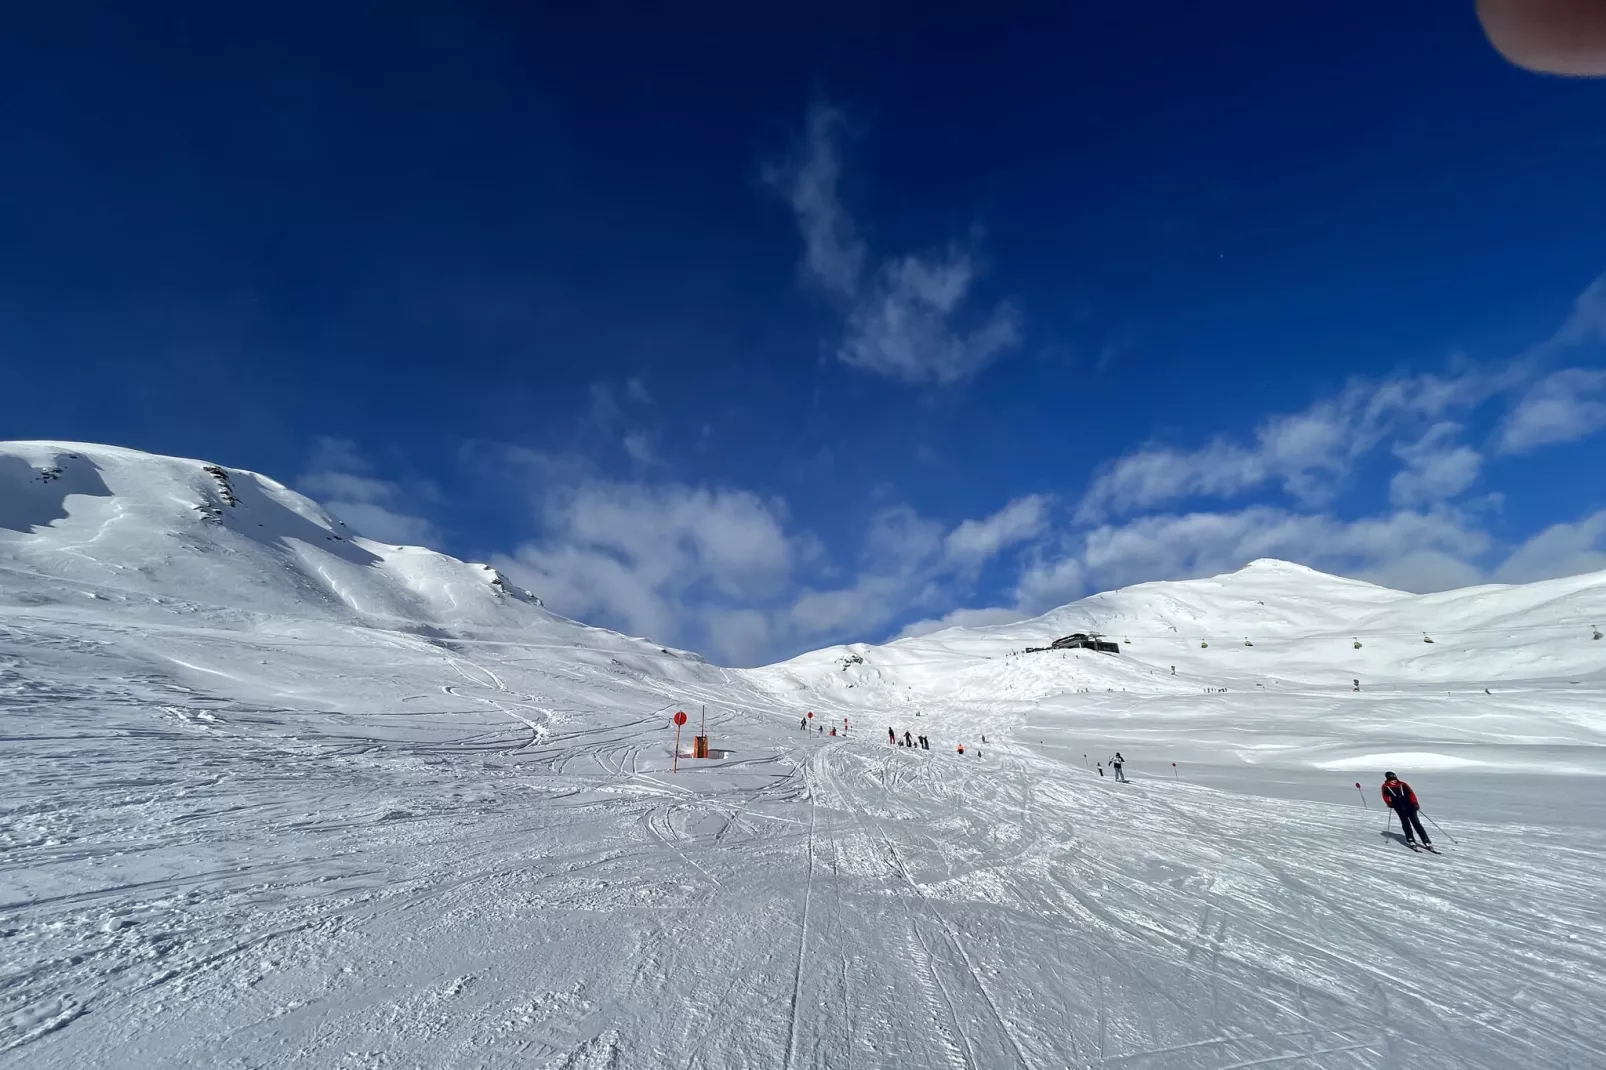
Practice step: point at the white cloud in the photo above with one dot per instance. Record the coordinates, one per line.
(636, 391)
(1587, 323)
(330, 454)
(347, 487)
(639, 447)
(743, 635)
(385, 525)
(670, 562)
(718, 569)
(1563, 407)
(1207, 543)
(371, 507)
(833, 254)
(1050, 581)
(1309, 454)
(1559, 550)
(1437, 467)
(978, 540)
(1423, 570)
(961, 618)
(907, 319)
(861, 608)
(732, 539)
(594, 586)
(899, 540)
(913, 562)
(902, 328)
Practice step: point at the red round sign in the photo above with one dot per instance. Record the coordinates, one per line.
(680, 718)
(811, 714)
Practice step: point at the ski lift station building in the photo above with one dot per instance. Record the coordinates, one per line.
(1084, 641)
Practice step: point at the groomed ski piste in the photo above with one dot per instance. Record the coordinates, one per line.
(275, 795)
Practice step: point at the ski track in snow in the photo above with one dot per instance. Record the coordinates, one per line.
(192, 879)
(381, 812)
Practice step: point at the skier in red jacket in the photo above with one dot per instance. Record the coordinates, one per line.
(1398, 795)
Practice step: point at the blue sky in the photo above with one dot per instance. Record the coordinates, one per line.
(753, 330)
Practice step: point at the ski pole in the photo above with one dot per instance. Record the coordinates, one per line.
(1388, 822)
(1446, 834)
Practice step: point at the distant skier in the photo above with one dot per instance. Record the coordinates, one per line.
(892, 737)
(803, 723)
(833, 731)
(908, 740)
(1101, 769)
(1398, 795)
(1116, 763)
(961, 750)
(925, 744)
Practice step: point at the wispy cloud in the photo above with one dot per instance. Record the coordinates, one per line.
(1559, 550)
(671, 562)
(833, 253)
(1306, 454)
(1562, 407)
(639, 446)
(726, 570)
(341, 478)
(903, 327)
(1587, 323)
(979, 540)
(1438, 467)
(907, 319)
(960, 618)
(722, 569)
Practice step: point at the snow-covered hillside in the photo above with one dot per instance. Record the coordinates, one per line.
(1258, 670)
(272, 794)
(133, 531)
(1270, 620)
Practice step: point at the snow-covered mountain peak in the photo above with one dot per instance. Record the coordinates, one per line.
(116, 523)
(1268, 623)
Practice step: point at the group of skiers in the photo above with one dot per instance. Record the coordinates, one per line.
(1397, 794)
(1115, 765)
(908, 740)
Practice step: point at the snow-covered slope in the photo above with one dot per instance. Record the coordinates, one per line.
(135, 530)
(1259, 669)
(1270, 620)
(272, 794)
